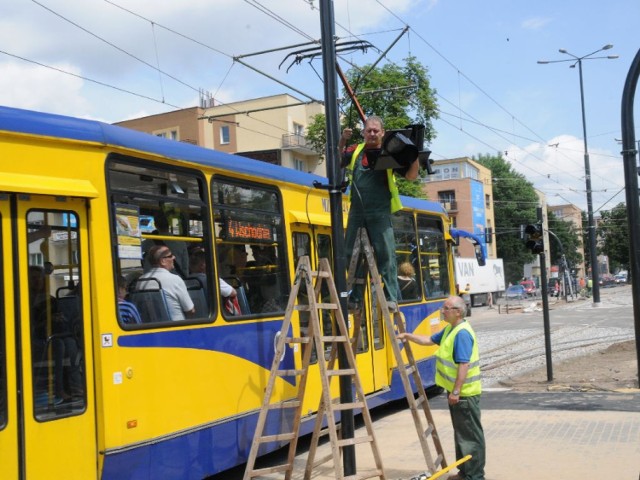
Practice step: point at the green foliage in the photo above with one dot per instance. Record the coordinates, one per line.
(515, 203)
(400, 94)
(570, 238)
(613, 232)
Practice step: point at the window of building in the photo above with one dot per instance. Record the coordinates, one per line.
(487, 201)
(448, 199)
(170, 134)
(298, 164)
(225, 135)
(250, 241)
(298, 129)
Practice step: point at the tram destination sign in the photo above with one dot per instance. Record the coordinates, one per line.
(252, 231)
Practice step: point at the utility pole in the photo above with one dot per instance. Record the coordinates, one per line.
(335, 203)
(545, 306)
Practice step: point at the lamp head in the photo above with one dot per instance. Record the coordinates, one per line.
(607, 47)
(563, 50)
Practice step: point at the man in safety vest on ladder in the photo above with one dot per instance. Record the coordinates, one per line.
(374, 198)
(458, 372)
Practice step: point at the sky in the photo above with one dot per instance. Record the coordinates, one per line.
(112, 60)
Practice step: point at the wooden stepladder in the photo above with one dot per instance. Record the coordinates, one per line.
(394, 323)
(327, 369)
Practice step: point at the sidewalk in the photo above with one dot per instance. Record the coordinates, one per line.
(521, 444)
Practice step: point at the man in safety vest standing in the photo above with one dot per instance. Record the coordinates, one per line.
(374, 198)
(458, 372)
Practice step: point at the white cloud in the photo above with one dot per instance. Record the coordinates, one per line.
(535, 23)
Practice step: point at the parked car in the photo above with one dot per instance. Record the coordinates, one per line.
(607, 280)
(621, 278)
(515, 292)
(530, 287)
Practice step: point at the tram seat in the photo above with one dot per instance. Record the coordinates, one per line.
(236, 283)
(198, 296)
(150, 301)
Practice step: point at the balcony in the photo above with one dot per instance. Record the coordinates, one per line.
(297, 143)
(450, 206)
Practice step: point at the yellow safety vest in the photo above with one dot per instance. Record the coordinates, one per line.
(396, 204)
(447, 369)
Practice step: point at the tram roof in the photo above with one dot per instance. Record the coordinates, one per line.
(61, 126)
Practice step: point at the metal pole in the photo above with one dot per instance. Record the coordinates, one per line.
(593, 254)
(545, 307)
(335, 203)
(631, 185)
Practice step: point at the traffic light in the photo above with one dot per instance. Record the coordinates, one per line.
(402, 147)
(535, 240)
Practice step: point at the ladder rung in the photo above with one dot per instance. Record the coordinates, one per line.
(267, 470)
(348, 406)
(297, 340)
(344, 371)
(284, 404)
(420, 400)
(410, 370)
(438, 460)
(289, 373)
(338, 338)
(277, 438)
(429, 430)
(343, 442)
(322, 274)
(327, 306)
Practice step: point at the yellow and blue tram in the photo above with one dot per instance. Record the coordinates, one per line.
(89, 392)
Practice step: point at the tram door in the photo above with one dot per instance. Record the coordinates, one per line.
(371, 356)
(47, 413)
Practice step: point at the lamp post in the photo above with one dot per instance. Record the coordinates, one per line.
(593, 255)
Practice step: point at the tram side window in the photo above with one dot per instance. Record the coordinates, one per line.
(433, 257)
(160, 225)
(55, 314)
(251, 250)
(407, 257)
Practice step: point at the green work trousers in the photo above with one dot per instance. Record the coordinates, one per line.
(380, 231)
(469, 436)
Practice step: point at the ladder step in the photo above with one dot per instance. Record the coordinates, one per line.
(343, 442)
(267, 470)
(344, 371)
(348, 406)
(283, 405)
(297, 340)
(429, 430)
(277, 438)
(420, 400)
(410, 370)
(289, 373)
(338, 338)
(438, 460)
(321, 274)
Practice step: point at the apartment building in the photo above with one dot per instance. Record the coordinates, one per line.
(270, 129)
(571, 213)
(465, 189)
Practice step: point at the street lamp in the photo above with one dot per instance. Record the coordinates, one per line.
(595, 277)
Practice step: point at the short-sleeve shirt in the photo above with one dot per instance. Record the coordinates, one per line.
(462, 345)
(175, 290)
(128, 313)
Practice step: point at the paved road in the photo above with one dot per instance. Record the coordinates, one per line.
(530, 436)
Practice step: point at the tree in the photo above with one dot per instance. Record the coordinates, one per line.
(515, 203)
(613, 231)
(570, 238)
(400, 94)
